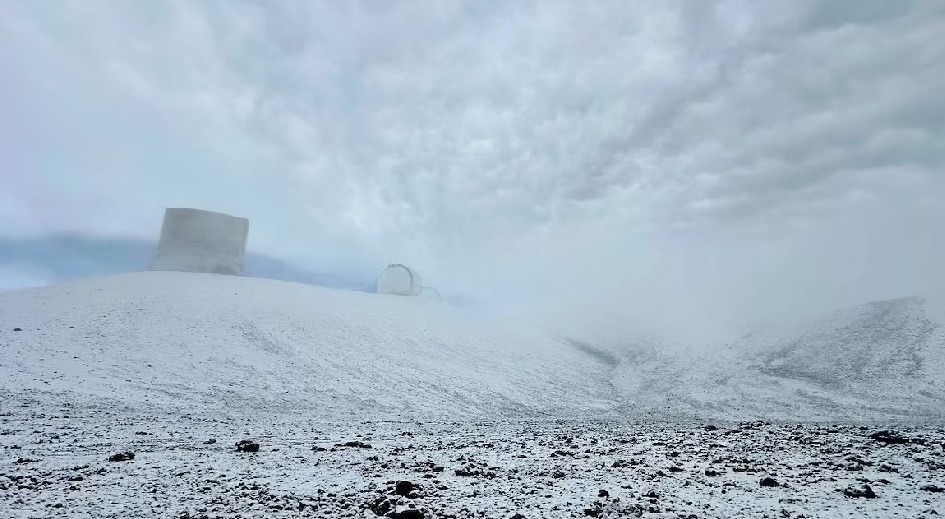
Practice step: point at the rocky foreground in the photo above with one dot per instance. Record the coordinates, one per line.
(71, 460)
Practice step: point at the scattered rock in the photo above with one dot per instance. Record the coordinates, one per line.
(865, 492)
(122, 456)
(889, 438)
(247, 446)
(807, 457)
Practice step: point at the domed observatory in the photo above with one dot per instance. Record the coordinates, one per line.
(400, 280)
(193, 240)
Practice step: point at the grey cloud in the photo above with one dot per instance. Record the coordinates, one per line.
(678, 150)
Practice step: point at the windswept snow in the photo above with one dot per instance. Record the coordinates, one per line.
(184, 341)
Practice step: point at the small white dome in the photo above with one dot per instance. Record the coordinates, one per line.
(400, 280)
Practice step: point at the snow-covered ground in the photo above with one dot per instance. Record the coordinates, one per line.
(484, 418)
(184, 341)
(56, 464)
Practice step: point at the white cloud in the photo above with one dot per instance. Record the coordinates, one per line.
(701, 158)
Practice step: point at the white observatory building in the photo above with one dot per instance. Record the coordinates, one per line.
(400, 280)
(193, 240)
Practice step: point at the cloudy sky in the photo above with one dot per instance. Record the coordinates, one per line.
(679, 161)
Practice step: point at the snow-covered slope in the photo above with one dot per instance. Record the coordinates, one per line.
(205, 342)
(882, 360)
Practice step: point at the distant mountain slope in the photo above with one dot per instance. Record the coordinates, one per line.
(67, 257)
(201, 341)
(878, 360)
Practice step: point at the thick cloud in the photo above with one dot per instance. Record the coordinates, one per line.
(691, 163)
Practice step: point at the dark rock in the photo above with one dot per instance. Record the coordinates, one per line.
(122, 456)
(933, 488)
(143, 433)
(403, 488)
(247, 446)
(354, 444)
(316, 448)
(769, 482)
(18, 329)
(381, 506)
(711, 473)
(23, 461)
(865, 492)
(675, 468)
(711, 427)
(211, 441)
(889, 438)
(603, 493)
(410, 513)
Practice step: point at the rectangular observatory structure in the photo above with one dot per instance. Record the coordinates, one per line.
(193, 240)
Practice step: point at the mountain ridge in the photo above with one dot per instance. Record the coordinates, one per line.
(875, 360)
